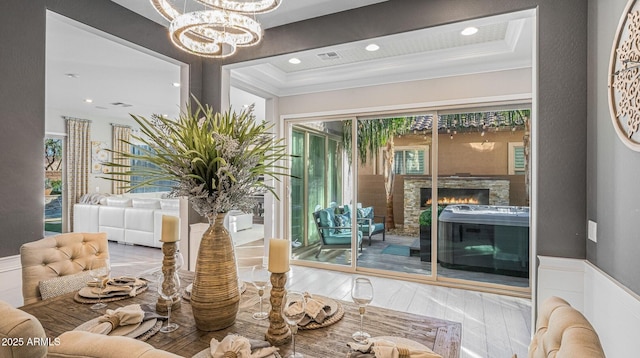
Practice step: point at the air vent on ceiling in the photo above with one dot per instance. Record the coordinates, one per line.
(100, 107)
(329, 56)
(120, 104)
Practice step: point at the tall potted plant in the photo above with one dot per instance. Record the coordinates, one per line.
(219, 161)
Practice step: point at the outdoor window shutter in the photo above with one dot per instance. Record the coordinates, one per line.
(519, 159)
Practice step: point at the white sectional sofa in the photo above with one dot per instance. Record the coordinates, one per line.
(129, 220)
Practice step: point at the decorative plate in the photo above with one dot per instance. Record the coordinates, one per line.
(624, 82)
(105, 298)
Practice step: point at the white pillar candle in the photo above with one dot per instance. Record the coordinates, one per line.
(279, 255)
(170, 228)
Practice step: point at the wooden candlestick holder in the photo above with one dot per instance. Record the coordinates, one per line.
(278, 333)
(169, 250)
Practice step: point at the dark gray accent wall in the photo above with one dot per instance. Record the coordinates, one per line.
(561, 199)
(614, 169)
(22, 69)
(22, 98)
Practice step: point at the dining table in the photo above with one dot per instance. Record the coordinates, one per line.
(63, 313)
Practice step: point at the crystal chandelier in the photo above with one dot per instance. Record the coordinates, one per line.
(218, 29)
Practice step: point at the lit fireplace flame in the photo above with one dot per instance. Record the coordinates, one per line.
(454, 200)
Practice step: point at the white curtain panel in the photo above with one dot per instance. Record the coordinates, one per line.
(121, 139)
(78, 157)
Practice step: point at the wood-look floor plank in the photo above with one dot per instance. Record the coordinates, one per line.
(473, 326)
(498, 342)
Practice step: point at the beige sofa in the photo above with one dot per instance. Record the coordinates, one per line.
(563, 332)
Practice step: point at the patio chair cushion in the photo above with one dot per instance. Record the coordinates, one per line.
(327, 221)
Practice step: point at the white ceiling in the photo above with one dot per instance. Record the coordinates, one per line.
(111, 71)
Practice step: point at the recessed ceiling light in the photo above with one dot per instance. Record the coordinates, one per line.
(72, 75)
(294, 61)
(372, 47)
(88, 100)
(176, 84)
(469, 31)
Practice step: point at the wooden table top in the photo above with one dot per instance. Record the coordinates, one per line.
(62, 313)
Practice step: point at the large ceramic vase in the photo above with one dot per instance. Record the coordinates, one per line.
(215, 296)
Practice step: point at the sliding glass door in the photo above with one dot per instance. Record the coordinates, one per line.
(442, 196)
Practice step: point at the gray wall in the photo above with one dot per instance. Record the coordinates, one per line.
(22, 99)
(562, 93)
(613, 170)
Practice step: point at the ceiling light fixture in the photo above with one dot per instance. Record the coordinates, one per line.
(469, 31)
(217, 30)
(294, 61)
(372, 47)
(72, 75)
(176, 84)
(88, 100)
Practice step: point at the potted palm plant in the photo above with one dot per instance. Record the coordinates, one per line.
(219, 162)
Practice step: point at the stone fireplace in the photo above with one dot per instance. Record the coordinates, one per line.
(417, 192)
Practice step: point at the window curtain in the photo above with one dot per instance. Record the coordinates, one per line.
(78, 151)
(121, 139)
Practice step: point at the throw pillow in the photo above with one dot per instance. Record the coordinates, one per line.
(366, 213)
(64, 284)
(343, 220)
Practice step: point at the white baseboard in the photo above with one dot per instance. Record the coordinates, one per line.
(612, 309)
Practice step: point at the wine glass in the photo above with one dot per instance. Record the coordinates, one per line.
(260, 278)
(362, 295)
(292, 313)
(169, 290)
(179, 260)
(99, 269)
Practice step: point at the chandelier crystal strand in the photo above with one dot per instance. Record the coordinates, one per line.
(253, 7)
(164, 8)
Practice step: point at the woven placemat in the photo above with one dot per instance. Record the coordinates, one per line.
(81, 299)
(328, 321)
(153, 330)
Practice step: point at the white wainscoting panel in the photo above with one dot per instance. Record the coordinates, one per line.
(614, 312)
(11, 279)
(612, 309)
(561, 277)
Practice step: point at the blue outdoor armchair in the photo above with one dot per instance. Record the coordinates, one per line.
(368, 223)
(334, 233)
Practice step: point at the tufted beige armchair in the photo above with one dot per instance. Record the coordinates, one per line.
(563, 332)
(55, 256)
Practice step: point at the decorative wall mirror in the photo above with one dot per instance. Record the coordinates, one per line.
(624, 77)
